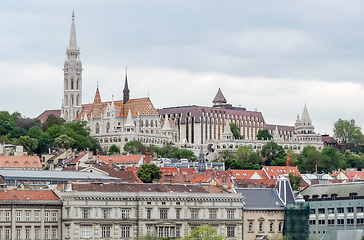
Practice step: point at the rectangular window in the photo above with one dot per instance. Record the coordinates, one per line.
(321, 221)
(331, 221)
(18, 216)
(86, 213)
(106, 213)
(37, 233)
(212, 213)
(178, 231)
(312, 222)
(321, 211)
(178, 213)
(360, 221)
(27, 233)
(163, 213)
(125, 213)
(313, 211)
(350, 221)
(194, 213)
(86, 231)
(105, 231)
(46, 233)
(149, 213)
(46, 216)
(54, 233)
(230, 232)
(230, 213)
(67, 212)
(160, 232)
(350, 209)
(68, 231)
(172, 232)
(340, 210)
(18, 233)
(330, 210)
(7, 216)
(54, 216)
(36, 216)
(1, 216)
(149, 229)
(27, 216)
(340, 221)
(7, 233)
(359, 209)
(125, 231)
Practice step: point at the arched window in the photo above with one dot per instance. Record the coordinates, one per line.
(66, 84)
(271, 226)
(280, 227)
(107, 127)
(146, 123)
(71, 100)
(250, 227)
(71, 84)
(151, 123)
(77, 101)
(97, 128)
(66, 100)
(78, 87)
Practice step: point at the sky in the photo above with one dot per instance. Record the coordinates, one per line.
(267, 56)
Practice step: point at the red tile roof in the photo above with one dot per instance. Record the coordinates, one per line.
(28, 195)
(43, 116)
(123, 158)
(23, 161)
(247, 174)
(276, 171)
(354, 174)
(78, 158)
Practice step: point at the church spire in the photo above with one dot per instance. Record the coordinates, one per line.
(126, 88)
(73, 42)
(97, 98)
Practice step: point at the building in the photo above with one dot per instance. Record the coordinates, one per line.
(124, 211)
(24, 162)
(30, 214)
(335, 207)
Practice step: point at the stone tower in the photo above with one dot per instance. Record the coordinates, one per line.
(72, 97)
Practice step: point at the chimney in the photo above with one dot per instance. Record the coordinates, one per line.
(110, 161)
(147, 158)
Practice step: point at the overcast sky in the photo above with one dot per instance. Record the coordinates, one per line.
(273, 56)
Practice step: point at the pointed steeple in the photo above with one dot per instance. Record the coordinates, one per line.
(73, 41)
(126, 88)
(305, 117)
(166, 126)
(227, 134)
(219, 99)
(201, 162)
(129, 120)
(304, 125)
(97, 98)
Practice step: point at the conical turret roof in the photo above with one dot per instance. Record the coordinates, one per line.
(129, 120)
(219, 98)
(73, 41)
(97, 98)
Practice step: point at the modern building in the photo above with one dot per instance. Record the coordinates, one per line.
(30, 214)
(335, 207)
(125, 211)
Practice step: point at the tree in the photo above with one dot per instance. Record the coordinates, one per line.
(114, 149)
(348, 133)
(333, 159)
(310, 159)
(243, 153)
(53, 120)
(134, 147)
(64, 141)
(29, 144)
(148, 236)
(272, 151)
(148, 173)
(292, 156)
(294, 180)
(236, 131)
(184, 153)
(263, 134)
(204, 232)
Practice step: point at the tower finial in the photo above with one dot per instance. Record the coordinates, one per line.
(126, 88)
(73, 15)
(73, 42)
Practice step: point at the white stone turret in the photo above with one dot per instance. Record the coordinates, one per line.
(72, 98)
(227, 134)
(304, 125)
(129, 124)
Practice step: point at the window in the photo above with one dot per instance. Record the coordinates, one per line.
(230, 232)
(54, 216)
(27, 233)
(340, 221)
(331, 221)
(360, 220)
(97, 128)
(230, 213)
(68, 231)
(330, 210)
(312, 222)
(54, 233)
(37, 233)
(46, 216)
(313, 211)
(86, 213)
(350, 221)
(271, 227)
(212, 213)
(178, 213)
(149, 213)
(250, 227)
(86, 231)
(163, 213)
(7, 216)
(321, 221)
(27, 216)
(18, 233)
(106, 213)
(280, 227)
(18, 216)
(1, 216)
(340, 210)
(125, 232)
(149, 229)
(260, 226)
(7, 233)
(46, 233)
(350, 209)
(105, 231)
(178, 231)
(194, 213)
(125, 213)
(359, 209)
(68, 212)
(321, 211)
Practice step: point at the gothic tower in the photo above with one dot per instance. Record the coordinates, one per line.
(126, 90)
(72, 97)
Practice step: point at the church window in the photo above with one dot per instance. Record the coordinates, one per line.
(151, 123)
(71, 84)
(97, 130)
(65, 84)
(71, 100)
(107, 127)
(146, 123)
(77, 101)
(78, 84)
(155, 123)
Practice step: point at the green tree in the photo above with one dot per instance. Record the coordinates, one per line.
(292, 156)
(148, 173)
(148, 236)
(294, 180)
(29, 144)
(184, 153)
(114, 150)
(310, 159)
(236, 131)
(204, 232)
(53, 120)
(348, 133)
(263, 134)
(135, 147)
(243, 153)
(333, 159)
(64, 141)
(271, 151)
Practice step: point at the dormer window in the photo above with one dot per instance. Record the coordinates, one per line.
(333, 196)
(353, 195)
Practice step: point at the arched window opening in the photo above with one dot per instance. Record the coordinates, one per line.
(71, 84)
(97, 128)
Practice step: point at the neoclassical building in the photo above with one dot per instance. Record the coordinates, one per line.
(125, 211)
